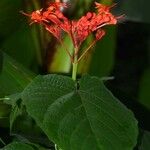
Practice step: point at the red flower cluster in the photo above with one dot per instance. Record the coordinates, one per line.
(54, 21)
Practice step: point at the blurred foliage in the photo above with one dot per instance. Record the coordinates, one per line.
(17, 39)
(14, 77)
(144, 93)
(10, 18)
(103, 58)
(145, 144)
(134, 10)
(60, 62)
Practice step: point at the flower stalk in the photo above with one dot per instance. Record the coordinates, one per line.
(74, 71)
(75, 65)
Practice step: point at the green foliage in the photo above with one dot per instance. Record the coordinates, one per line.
(10, 17)
(15, 112)
(16, 38)
(1, 141)
(144, 93)
(22, 45)
(86, 118)
(145, 144)
(100, 66)
(58, 64)
(18, 146)
(135, 11)
(22, 143)
(13, 77)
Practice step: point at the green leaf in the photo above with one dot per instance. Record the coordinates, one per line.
(53, 85)
(18, 39)
(15, 112)
(86, 118)
(22, 45)
(13, 77)
(106, 116)
(17, 146)
(23, 146)
(144, 94)
(12, 99)
(145, 144)
(21, 139)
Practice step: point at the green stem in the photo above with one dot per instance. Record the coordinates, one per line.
(75, 66)
(57, 148)
(85, 52)
(4, 98)
(74, 70)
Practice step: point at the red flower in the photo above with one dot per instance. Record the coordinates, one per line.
(54, 15)
(93, 22)
(102, 8)
(55, 22)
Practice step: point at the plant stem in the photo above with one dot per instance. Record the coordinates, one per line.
(4, 98)
(74, 70)
(84, 53)
(57, 148)
(75, 65)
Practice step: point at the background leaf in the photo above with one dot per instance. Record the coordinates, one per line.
(22, 46)
(144, 93)
(2, 141)
(16, 38)
(10, 17)
(60, 62)
(103, 57)
(145, 144)
(13, 77)
(17, 146)
(135, 11)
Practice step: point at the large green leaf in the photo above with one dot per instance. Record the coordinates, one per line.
(17, 146)
(86, 118)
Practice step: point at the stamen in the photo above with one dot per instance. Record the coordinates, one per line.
(31, 23)
(104, 24)
(29, 15)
